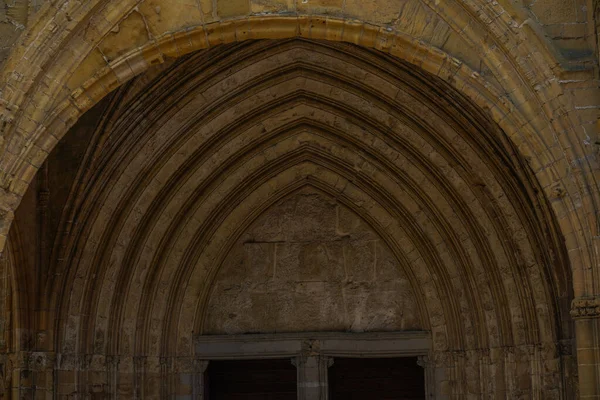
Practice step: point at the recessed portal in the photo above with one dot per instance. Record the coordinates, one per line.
(296, 200)
(317, 365)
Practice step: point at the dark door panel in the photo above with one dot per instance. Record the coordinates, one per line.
(376, 379)
(251, 380)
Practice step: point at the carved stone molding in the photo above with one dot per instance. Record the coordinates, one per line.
(565, 347)
(333, 344)
(139, 361)
(85, 361)
(585, 307)
(425, 361)
(112, 360)
(200, 366)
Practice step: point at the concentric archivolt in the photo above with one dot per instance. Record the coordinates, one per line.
(190, 158)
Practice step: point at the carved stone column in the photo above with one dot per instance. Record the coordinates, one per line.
(434, 366)
(312, 372)
(139, 365)
(586, 313)
(165, 375)
(200, 378)
(312, 376)
(112, 371)
(430, 381)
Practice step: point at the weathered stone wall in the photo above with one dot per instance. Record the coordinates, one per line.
(294, 185)
(568, 24)
(310, 264)
(15, 16)
(481, 182)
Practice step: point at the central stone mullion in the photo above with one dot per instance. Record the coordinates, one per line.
(312, 376)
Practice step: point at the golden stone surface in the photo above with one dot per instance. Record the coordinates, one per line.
(174, 168)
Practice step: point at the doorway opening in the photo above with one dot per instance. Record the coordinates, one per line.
(376, 379)
(251, 380)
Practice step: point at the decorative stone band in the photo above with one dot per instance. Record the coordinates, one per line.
(585, 307)
(329, 344)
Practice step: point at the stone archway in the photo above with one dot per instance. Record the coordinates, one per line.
(213, 143)
(520, 94)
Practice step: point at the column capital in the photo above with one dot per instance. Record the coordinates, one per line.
(200, 365)
(425, 361)
(301, 360)
(585, 307)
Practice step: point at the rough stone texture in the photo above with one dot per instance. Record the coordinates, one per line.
(14, 18)
(310, 264)
(286, 186)
(475, 159)
(565, 22)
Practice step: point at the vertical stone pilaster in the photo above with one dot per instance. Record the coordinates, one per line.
(536, 372)
(112, 369)
(509, 367)
(139, 365)
(566, 350)
(586, 313)
(43, 255)
(164, 378)
(22, 382)
(312, 377)
(199, 383)
(485, 382)
(497, 372)
(312, 370)
(429, 369)
(436, 381)
(83, 371)
(459, 381)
